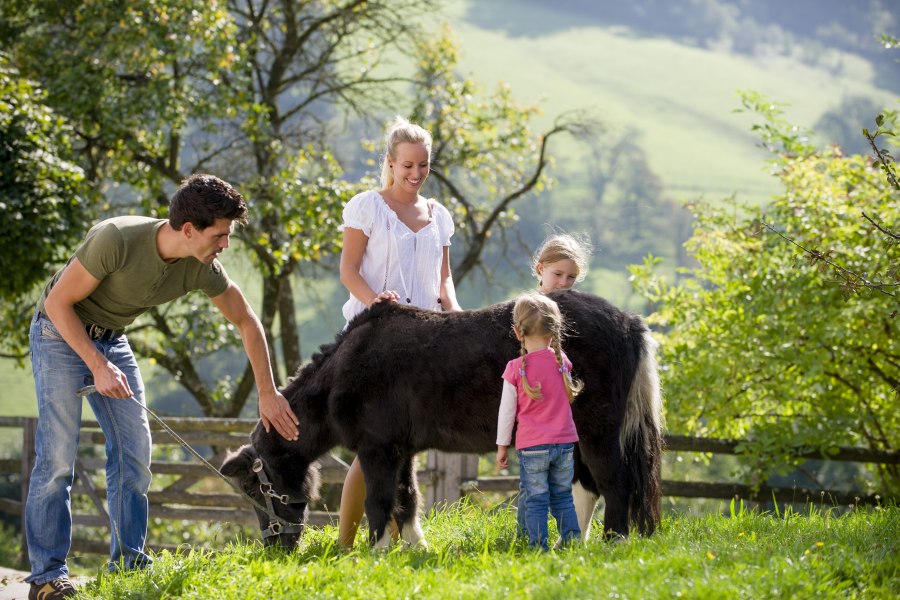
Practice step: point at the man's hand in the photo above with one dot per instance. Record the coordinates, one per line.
(273, 407)
(275, 410)
(111, 382)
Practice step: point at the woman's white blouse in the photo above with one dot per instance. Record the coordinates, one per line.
(396, 258)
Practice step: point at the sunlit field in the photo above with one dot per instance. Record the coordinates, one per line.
(473, 553)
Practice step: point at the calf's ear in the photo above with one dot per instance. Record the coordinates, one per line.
(238, 462)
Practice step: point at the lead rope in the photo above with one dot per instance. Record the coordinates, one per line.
(91, 389)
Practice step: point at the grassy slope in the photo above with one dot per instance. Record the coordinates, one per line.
(16, 400)
(679, 98)
(17, 397)
(474, 554)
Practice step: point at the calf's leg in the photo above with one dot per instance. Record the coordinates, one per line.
(406, 512)
(381, 471)
(584, 494)
(585, 502)
(607, 476)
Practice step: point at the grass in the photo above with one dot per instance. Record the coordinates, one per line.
(475, 554)
(17, 384)
(16, 400)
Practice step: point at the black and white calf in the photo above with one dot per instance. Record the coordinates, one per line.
(400, 380)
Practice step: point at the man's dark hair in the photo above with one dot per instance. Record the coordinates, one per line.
(201, 199)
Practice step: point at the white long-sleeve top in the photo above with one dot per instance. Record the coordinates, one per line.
(506, 418)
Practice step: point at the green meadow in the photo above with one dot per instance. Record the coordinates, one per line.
(678, 101)
(473, 553)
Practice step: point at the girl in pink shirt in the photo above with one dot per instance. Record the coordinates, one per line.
(537, 392)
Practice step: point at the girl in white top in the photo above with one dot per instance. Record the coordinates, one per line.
(397, 249)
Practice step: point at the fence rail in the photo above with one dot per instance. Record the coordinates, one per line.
(446, 477)
(726, 491)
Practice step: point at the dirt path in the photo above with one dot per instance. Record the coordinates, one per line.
(13, 586)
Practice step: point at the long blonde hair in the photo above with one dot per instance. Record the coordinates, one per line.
(536, 314)
(401, 131)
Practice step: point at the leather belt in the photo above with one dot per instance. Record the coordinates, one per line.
(96, 332)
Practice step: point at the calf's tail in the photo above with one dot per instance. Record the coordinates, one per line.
(641, 440)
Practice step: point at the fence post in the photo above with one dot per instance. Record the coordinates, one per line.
(29, 432)
(449, 471)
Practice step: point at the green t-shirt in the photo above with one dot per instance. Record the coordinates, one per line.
(121, 253)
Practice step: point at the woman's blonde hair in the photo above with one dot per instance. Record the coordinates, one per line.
(536, 314)
(401, 131)
(560, 246)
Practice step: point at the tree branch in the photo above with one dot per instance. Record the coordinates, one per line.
(852, 280)
(476, 246)
(880, 228)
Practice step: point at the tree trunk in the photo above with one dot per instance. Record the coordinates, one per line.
(290, 335)
(271, 290)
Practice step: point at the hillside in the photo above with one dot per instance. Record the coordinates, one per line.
(677, 95)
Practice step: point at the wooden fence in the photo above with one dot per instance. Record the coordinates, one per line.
(727, 491)
(445, 477)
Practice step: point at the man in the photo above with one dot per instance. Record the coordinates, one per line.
(125, 266)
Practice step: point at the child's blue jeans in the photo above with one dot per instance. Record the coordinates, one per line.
(546, 472)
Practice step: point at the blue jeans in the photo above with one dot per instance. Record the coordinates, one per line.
(58, 373)
(547, 471)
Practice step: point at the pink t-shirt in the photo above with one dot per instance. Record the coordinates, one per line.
(547, 420)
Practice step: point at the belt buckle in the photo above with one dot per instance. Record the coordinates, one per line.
(96, 332)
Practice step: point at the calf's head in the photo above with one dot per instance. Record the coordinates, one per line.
(284, 498)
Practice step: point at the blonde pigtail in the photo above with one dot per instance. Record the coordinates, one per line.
(573, 386)
(533, 392)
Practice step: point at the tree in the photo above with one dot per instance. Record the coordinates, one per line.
(42, 208)
(627, 205)
(887, 123)
(256, 92)
(765, 343)
(485, 156)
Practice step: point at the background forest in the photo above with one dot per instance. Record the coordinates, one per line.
(673, 133)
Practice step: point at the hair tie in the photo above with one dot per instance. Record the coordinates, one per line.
(521, 371)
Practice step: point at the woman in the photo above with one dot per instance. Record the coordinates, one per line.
(396, 249)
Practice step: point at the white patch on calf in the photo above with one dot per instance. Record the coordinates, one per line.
(385, 542)
(585, 503)
(412, 535)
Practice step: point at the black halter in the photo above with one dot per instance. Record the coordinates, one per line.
(277, 525)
